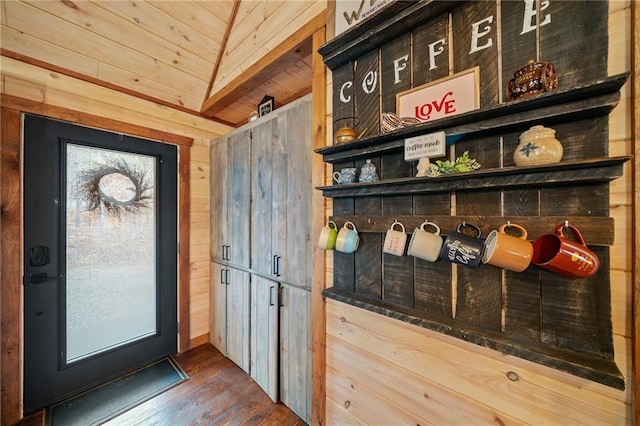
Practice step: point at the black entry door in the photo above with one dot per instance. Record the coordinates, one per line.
(100, 256)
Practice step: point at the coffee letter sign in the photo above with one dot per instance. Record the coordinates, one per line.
(431, 145)
(442, 98)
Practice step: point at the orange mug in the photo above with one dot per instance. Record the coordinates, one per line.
(556, 253)
(506, 251)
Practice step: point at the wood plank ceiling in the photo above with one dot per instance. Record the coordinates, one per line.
(185, 54)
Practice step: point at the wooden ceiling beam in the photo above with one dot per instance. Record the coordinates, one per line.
(286, 54)
(223, 46)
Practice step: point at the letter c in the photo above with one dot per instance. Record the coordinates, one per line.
(345, 99)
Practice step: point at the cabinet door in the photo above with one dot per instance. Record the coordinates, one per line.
(262, 168)
(238, 317)
(218, 307)
(264, 334)
(279, 220)
(238, 198)
(295, 350)
(219, 198)
(294, 239)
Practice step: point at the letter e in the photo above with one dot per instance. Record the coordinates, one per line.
(476, 34)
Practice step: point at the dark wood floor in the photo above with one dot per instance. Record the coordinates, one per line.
(218, 392)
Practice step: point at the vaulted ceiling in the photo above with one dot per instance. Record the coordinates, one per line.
(218, 58)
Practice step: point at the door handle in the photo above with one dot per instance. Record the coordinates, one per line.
(222, 276)
(281, 296)
(274, 266)
(271, 296)
(226, 277)
(278, 266)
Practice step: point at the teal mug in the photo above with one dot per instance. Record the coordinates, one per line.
(348, 238)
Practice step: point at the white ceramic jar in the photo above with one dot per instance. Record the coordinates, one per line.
(538, 146)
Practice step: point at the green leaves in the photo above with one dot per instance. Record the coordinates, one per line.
(461, 165)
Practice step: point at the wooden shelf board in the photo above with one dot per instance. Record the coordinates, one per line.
(563, 173)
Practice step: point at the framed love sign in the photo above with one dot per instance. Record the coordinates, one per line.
(446, 97)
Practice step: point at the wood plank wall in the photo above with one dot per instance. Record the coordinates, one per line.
(380, 370)
(63, 93)
(259, 27)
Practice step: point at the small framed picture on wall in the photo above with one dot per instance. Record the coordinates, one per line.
(266, 105)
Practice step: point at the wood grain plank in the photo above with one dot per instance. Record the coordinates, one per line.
(318, 408)
(397, 271)
(367, 93)
(303, 19)
(519, 38)
(576, 313)
(11, 271)
(35, 21)
(585, 21)
(343, 97)
(365, 405)
(474, 31)
(368, 257)
(184, 270)
(395, 63)
(163, 25)
(430, 44)
(423, 398)
(542, 395)
(636, 214)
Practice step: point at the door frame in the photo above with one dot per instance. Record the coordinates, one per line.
(11, 303)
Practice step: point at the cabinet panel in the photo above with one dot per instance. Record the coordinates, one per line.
(239, 198)
(219, 203)
(237, 318)
(218, 307)
(261, 197)
(294, 242)
(295, 350)
(230, 313)
(230, 198)
(264, 334)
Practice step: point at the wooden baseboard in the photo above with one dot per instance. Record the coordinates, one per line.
(197, 341)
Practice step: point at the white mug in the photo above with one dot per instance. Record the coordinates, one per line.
(395, 241)
(424, 244)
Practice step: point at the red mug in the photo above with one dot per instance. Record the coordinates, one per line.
(556, 253)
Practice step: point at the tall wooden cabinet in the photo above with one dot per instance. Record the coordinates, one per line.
(261, 230)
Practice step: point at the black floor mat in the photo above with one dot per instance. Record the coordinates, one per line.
(114, 398)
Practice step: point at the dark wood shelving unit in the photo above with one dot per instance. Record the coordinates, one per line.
(559, 322)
